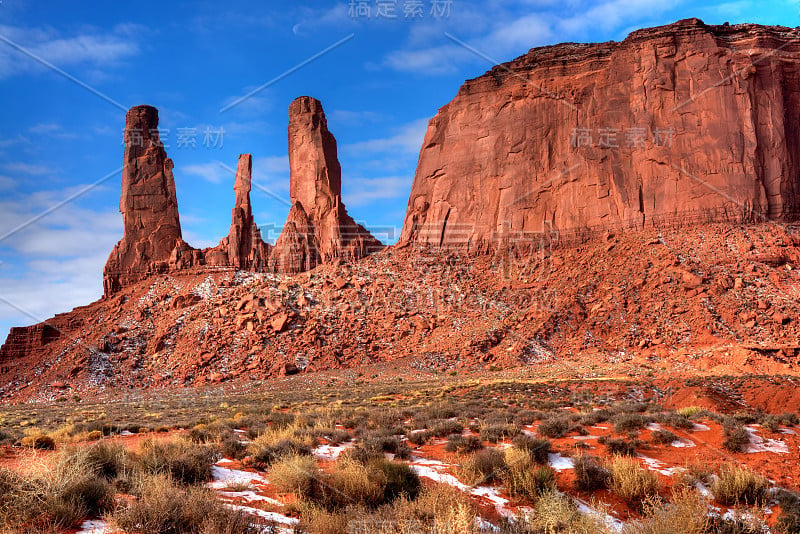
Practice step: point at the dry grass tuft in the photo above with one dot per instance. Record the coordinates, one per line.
(630, 481)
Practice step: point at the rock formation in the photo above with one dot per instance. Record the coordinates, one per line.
(148, 204)
(243, 248)
(318, 228)
(685, 122)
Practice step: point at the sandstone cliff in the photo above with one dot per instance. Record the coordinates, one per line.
(686, 122)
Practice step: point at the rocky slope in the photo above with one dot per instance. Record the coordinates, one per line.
(680, 122)
(683, 302)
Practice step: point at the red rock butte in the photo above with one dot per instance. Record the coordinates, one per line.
(683, 134)
(318, 228)
(681, 123)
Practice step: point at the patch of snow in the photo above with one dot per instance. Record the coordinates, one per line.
(682, 443)
(759, 444)
(700, 428)
(658, 466)
(703, 489)
(94, 526)
(435, 475)
(126, 433)
(269, 516)
(788, 431)
(655, 427)
(249, 496)
(331, 452)
(224, 461)
(584, 438)
(493, 495)
(611, 522)
(560, 463)
(486, 526)
(225, 477)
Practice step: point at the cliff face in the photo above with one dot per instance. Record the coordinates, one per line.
(681, 122)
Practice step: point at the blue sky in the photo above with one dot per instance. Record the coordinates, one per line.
(59, 137)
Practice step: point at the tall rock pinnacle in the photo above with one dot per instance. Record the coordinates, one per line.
(318, 228)
(245, 248)
(148, 204)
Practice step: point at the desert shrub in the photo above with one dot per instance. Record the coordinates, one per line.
(499, 432)
(590, 475)
(94, 435)
(185, 462)
(391, 444)
(232, 447)
(483, 466)
(524, 478)
(632, 407)
(630, 481)
(420, 437)
(737, 484)
(675, 420)
(789, 518)
(399, 479)
(264, 452)
(736, 522)
(736, 438)
(663, 437)
(280, 420)
(555, 427)
(350, 483)
(687, 514)
(748, 418)
(54, 495)
(618, 446)
(629, 422)
(537, 448)
(690, 411)
(107, 460)
(200, 434)
(164, 507)
(295, 474)
(446, 427)
(39, 441)
(463, 445)
(557, 513)
(596, 417)
(317, 520)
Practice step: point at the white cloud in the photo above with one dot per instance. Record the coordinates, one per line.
(52, 130)
(363, 191)
(96, 49)
(311, 20)
(212, 172)
(7, 183)
(407, 140)
(354, 117)
(32, 169)
(55, 263)
(514, 28)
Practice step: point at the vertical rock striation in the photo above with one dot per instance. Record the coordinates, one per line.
(683, 123)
